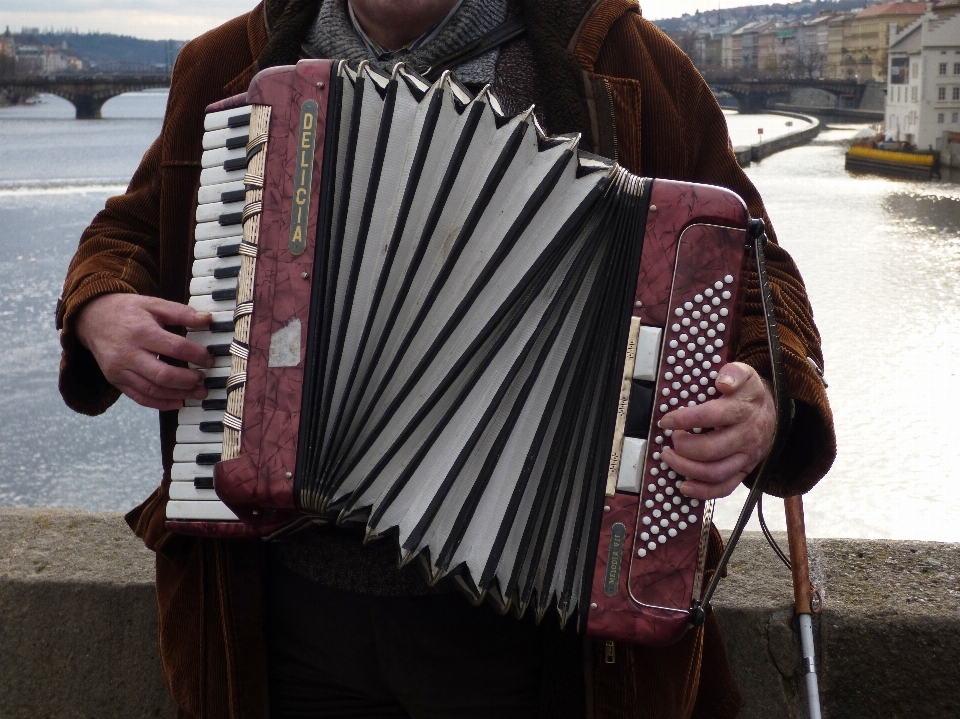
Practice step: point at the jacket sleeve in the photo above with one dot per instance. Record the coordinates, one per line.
(811, 445)
(118, 252)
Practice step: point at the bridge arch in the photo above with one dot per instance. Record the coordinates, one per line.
(86, 94)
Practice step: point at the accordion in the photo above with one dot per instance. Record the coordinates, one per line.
(435, 322)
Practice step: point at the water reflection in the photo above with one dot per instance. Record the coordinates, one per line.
(881, 259)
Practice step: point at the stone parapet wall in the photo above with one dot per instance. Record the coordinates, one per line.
(747, 154)
(78, 624)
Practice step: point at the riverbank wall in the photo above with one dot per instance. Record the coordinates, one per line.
(78, 628)
(747, 154)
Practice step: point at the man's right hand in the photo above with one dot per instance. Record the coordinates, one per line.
(125, 333)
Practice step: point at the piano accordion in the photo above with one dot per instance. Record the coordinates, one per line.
(437, 323)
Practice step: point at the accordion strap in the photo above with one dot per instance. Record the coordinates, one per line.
(508, 30)
(784, 411)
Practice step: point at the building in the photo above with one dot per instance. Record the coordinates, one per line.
(923, 79)
(44, 60)
(740, 49)
(857, 43)
(813, 45)
(777, 51)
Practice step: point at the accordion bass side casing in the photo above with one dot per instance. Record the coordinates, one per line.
(644, 545)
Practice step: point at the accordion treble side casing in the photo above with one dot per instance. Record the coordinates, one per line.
(695, 236)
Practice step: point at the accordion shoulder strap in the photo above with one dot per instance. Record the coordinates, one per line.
(508, 30)
(784, 412)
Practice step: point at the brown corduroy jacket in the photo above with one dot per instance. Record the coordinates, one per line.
(632, 94)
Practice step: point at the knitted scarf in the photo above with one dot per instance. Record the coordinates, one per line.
(333, 35)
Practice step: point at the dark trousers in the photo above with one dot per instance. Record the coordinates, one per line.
(338, 654)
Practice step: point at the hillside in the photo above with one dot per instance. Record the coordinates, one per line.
(787, 11)
(105, 52)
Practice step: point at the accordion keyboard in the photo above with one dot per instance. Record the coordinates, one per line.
(213, 288)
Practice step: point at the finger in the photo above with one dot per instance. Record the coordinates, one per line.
(158, 341)
(160, 373)
(132, 380)
(713, 472)
(174, 313)
(709, 490)
(735, 377)
(719, 412)
(712, 446)
(152, 402)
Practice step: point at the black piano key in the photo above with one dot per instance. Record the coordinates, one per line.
(223, 273)
(234, 142)
(239, 121)
(219, 295)
(640, 409)
(219, 350)
(215, 382)
(213, 427)
(237, 163)
(230, 218)
(233, 196)
(228, 250)
(203, 482)
(214, 404)
(205, 459)
(225, 326)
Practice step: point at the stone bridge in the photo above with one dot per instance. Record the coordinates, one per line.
(754, 94)
(86, 92)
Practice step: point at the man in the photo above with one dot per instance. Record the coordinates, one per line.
(334, 629)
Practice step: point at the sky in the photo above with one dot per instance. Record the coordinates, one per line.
(185, 19)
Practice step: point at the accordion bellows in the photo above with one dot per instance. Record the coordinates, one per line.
(431, 305)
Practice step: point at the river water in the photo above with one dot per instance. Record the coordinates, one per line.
(881, 259)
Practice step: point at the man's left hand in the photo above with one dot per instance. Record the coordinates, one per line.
(743, 419)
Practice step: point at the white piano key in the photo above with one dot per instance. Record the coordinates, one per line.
(217, 176)
(207, 249)
(206, 267)
(212, 193)
(186, 471)
(214, 511)
(196, 415)
(214, 230)
(206, 303)
(191, 433)
(207, 338)
(216, 158)
(631, 464)
(212, 212)
(213, 139)
(218, 362)
(648, 353)
(208, 285)
(211, 394)
(187, 453)
(186, 491)
(221, 119)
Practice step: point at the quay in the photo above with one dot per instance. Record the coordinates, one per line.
(78, 627)
(808, 129)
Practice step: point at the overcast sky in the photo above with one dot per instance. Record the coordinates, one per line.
(185, 19)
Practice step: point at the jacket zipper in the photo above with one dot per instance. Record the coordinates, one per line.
(613, 120)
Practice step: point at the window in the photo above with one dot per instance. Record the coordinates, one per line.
(942, 93)
(956, 68)
(915, 69)
(913, 93)
(940, 118)
(956, 93)
(943, 68)
(956, 118)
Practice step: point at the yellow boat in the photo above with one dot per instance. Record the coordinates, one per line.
(915, 165)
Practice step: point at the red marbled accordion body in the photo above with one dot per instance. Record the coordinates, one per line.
(694, 234)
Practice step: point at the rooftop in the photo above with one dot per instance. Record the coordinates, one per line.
(894, 9)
